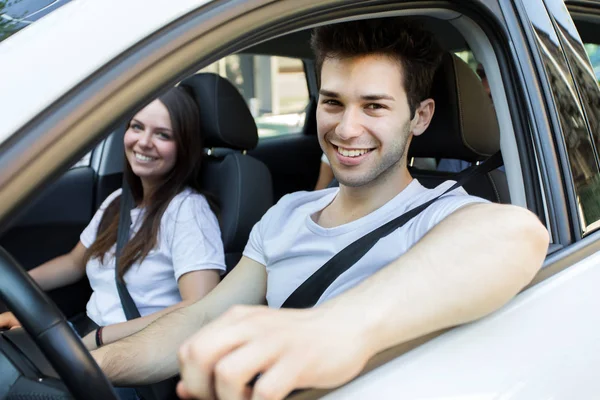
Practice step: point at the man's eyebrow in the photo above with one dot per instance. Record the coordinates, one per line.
(369, 97)
(375, 97)
(328, 93)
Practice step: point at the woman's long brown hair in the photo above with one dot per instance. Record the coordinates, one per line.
(185, 121)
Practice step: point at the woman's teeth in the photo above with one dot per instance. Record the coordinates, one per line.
(142, 157)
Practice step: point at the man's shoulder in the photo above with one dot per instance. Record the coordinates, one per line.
(303, 198)
(296, 205)
(457, 194)
(446, 204)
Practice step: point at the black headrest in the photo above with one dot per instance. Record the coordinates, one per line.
(464, 124)
(225, 117)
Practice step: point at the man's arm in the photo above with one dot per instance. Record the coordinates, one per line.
(467, 266)
(151, 354)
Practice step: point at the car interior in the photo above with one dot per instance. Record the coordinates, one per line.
(464, 127)
(248, 174)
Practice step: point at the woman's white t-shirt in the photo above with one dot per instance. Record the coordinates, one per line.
(189, 239)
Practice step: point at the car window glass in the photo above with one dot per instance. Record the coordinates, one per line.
(84, 162)
(468, 57)
(274, 88)
(593, 52)
(17, 14)
(575, 90)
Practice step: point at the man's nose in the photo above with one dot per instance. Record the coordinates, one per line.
(350, 125)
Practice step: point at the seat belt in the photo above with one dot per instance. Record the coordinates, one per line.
(308, 293)
(129, 307)
(163, 389)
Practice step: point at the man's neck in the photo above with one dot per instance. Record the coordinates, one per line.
(353, 203)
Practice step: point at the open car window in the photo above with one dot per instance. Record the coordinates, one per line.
(274, 88)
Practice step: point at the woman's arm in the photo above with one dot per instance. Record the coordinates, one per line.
(62, 270)
(193, 286)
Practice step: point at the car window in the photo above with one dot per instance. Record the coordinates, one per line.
(8, 23)
(275, 89)
(593, 52)
(84, 162)
(577, 96)
(468, 57)
(17, 14)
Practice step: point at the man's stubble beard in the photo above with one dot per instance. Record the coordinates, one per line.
(391, 160)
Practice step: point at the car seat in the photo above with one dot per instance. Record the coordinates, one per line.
(241, 183)
(463, 127)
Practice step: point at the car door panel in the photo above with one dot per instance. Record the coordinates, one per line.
(51, 227)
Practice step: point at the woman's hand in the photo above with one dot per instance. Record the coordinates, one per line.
(9, 321)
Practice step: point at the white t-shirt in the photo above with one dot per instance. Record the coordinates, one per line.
(189, 239)
(292, 246)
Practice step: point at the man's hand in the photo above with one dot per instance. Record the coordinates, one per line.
(9, 321)
(289, 348)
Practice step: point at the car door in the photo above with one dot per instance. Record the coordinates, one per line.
(50, 226)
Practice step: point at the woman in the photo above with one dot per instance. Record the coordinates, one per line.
(174, 255)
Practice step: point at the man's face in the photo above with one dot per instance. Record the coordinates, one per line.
(363, 118)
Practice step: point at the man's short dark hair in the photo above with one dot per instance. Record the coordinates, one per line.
(403, 39)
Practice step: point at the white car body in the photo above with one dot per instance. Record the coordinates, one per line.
(542, 345)
(52, 54)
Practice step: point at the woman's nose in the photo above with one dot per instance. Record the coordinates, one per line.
(145, 139)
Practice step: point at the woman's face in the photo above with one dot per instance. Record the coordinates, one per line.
(150, 145)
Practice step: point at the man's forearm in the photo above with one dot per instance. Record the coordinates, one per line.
(150, 355)
(466, 267)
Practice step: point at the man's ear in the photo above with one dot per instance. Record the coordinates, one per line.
(422, 118)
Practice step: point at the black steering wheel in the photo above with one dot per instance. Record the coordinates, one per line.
(50, 331)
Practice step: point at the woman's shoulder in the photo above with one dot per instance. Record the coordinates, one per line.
(188, 201)
(109, 199)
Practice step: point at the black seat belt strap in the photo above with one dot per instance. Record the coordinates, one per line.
(129, 307)
(159, 390)
(309, 292)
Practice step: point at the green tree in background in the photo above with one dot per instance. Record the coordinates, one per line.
(7, 25)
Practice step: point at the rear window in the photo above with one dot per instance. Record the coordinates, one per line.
(275, 89)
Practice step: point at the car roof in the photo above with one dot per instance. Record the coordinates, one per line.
(297, 44)
(52, 56)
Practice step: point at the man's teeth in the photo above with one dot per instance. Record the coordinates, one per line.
(352, 153)
(142, 157)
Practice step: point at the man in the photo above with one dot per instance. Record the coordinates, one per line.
(458, 260)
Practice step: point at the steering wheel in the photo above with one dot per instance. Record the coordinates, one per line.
(50, 331)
